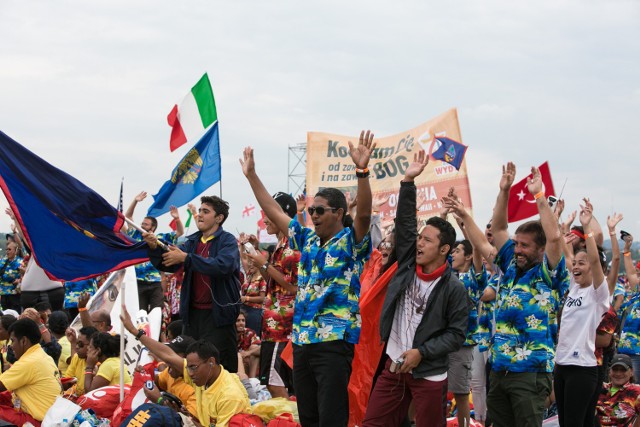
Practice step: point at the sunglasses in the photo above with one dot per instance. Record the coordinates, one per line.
(385, 245)
(320, 210)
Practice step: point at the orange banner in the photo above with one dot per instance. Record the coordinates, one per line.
(329, 165)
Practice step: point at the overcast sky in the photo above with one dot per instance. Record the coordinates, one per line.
(88, 85)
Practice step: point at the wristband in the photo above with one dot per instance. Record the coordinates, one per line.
(628, 253)
(42, 327)
(81, 309)
(539, 195)
(265, 266)
(88, 373)
(587, 235)
(140, 333)
(160, 400)
(612, 233)
(362, 173)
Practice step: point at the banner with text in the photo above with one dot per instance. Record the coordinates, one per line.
(329, 165)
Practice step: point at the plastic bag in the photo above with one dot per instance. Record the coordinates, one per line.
(270, 409)
(61, 413)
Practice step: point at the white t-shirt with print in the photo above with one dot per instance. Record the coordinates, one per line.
(581, 314)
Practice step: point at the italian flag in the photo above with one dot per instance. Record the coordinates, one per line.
(194, 115)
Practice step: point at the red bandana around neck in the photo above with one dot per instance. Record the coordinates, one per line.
(428, 277)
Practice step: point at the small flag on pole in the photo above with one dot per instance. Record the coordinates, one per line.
(194, 115)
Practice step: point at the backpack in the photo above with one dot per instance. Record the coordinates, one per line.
(152, 415)
(245, 420)
(283, 420)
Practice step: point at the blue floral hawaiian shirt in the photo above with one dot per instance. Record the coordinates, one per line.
(145, 271)
(630, 334)
(485, 311)
(526, 326)
(9, 275)
(72, 291)
(326, 307)
(470, 282)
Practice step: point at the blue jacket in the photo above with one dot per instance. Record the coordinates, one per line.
(223, 267)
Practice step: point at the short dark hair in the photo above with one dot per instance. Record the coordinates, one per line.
(7, 320)
(42, 306)
(58, 322)
(26, 328)
(154, 222)
(602, 256)
(447, 234)
(336, 199)
(220, 206)
(466, 246)
(534, 228)
(204, 350)
(108, 344)
(88, 331)
(175, 328)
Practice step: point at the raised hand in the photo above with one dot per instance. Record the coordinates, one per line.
(508, 176)
(534, 184)
(559, 209)
(454, 205)
(9, 212)
(586, 212)
(360, 154)
(420, 161)
(174, 212)
(301, 202)
(248, 164)
(378, 202)
(140, 197)
(70, 333)
(194, 211)
(613, 220)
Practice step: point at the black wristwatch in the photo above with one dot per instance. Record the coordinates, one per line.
(140, 333)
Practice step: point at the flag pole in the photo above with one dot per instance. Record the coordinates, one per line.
(122, 310)
(141, 230)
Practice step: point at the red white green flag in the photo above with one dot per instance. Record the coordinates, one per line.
(194, 115)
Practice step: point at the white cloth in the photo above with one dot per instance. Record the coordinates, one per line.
(406, 319)
(582, 312)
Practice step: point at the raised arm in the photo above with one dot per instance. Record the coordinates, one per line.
(162, 351)
(586, 217)
(629, 269)
(360, 155)
(132, 207)
(553, 248)
(270, 207)
(612, 277)
(179, 226)
(472, 231)
(500, 223)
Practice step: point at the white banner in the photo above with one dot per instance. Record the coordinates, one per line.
(35, 279)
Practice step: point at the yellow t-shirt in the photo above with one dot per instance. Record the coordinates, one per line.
(76, 370)
(66, 352)
(182, 390)
(110, 371)
(35, 382)
(222, 400)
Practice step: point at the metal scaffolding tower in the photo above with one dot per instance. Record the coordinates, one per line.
(297, 165)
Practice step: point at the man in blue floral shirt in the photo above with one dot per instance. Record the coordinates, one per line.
(150, 293)
(326, 320)
(10, 278)
(534, 281)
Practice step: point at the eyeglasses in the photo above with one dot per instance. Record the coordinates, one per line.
(193, 368)
(385, 245)
(320, 210)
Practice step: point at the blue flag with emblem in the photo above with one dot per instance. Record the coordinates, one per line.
(198, 170)
(450, 151)
(73, 232)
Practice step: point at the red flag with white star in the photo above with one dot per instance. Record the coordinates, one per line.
(522, 205)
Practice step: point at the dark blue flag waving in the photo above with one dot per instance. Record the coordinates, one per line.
(450, 151)
(73, 232)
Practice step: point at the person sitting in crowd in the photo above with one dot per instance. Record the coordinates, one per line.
(423, 319)
(174, 329)
(619, 402)
(535, 278)
(172, 380)
(103, 362)
(99, 319)
(281, 273)
(58, 324)
(48, 341)
(34, 379)
(326, 323)
(78, 364)
(6, 321)
(219, 394)
(248, 345)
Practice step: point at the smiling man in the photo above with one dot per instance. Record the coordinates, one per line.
(534, 279)
(211, 287)
(326, 318)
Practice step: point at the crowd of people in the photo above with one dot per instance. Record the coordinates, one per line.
(488, 327)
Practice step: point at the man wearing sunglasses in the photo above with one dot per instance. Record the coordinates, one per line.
(326, 320)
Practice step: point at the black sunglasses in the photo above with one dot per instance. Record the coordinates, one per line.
(319, 209)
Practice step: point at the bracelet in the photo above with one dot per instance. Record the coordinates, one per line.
(42, 327)
(539, 195)
(140, 333)
(88, 373)
(160, 400)
(627, 253)
(587, 235)
(612, 233)
(362, 173)
(81, 309)
(265, 266)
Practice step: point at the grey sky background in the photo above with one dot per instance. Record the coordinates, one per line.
(88, 86)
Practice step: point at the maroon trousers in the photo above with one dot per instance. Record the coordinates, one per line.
(392, 394)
